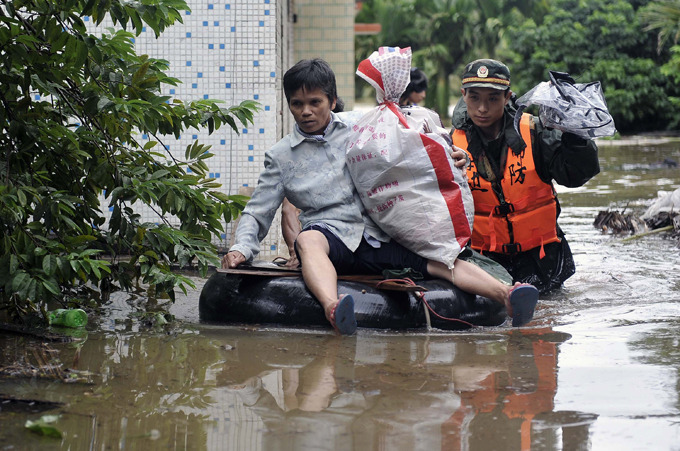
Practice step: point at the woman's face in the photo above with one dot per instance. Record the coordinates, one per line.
(311, 110)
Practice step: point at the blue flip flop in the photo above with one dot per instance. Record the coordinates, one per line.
(523, 299)
(345, 322)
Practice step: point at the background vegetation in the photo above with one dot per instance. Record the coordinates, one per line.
(74, 105)
(630, 46)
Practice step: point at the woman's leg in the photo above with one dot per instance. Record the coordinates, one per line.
(317, 270)
(321, 279)
(473, 279)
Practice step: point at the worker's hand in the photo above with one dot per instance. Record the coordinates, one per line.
(459, 157)
(233, 259)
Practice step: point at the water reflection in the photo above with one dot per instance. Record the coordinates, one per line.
(271, 389)
(405, 392)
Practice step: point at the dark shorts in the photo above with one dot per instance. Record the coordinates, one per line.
(367, 259)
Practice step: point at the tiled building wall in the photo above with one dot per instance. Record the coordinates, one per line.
(325, 28)
(235, 50)
(229, 50)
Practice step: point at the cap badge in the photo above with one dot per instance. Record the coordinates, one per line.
(482, 72)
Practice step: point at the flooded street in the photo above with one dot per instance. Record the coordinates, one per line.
(597, 368)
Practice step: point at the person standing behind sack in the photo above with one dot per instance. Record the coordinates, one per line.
(510, 175)
(416, 90)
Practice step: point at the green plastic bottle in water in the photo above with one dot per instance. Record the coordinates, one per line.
(68, 317)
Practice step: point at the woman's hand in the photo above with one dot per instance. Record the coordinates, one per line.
(232, 259)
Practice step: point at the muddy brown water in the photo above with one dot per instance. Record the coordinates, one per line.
(596, 369)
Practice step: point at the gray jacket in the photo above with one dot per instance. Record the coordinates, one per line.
(314, 177)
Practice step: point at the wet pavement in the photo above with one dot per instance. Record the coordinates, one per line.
(596, 369)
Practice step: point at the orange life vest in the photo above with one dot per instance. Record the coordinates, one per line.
(528, 217)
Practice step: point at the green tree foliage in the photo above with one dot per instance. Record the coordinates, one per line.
(73, 107)
(664, 17)
(443, 34)
(631, 46)
(599, 40)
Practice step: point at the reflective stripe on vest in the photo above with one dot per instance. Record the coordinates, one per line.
(528, 217)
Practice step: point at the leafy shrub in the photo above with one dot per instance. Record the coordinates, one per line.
(73, 107)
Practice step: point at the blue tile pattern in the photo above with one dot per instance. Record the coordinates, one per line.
(224, 50)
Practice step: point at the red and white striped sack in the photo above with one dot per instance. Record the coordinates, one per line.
(402, 169)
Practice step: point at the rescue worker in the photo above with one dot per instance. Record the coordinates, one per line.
(511, 176)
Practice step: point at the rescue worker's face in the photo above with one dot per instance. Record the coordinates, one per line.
(485, 105)
(311, 110)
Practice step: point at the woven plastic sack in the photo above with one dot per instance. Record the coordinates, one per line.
(577, 108)
(666, 202)
(402, 169)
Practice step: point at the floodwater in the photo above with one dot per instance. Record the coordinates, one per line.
(597, 369)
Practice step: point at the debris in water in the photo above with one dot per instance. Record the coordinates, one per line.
(616, 222)
(619, 223)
